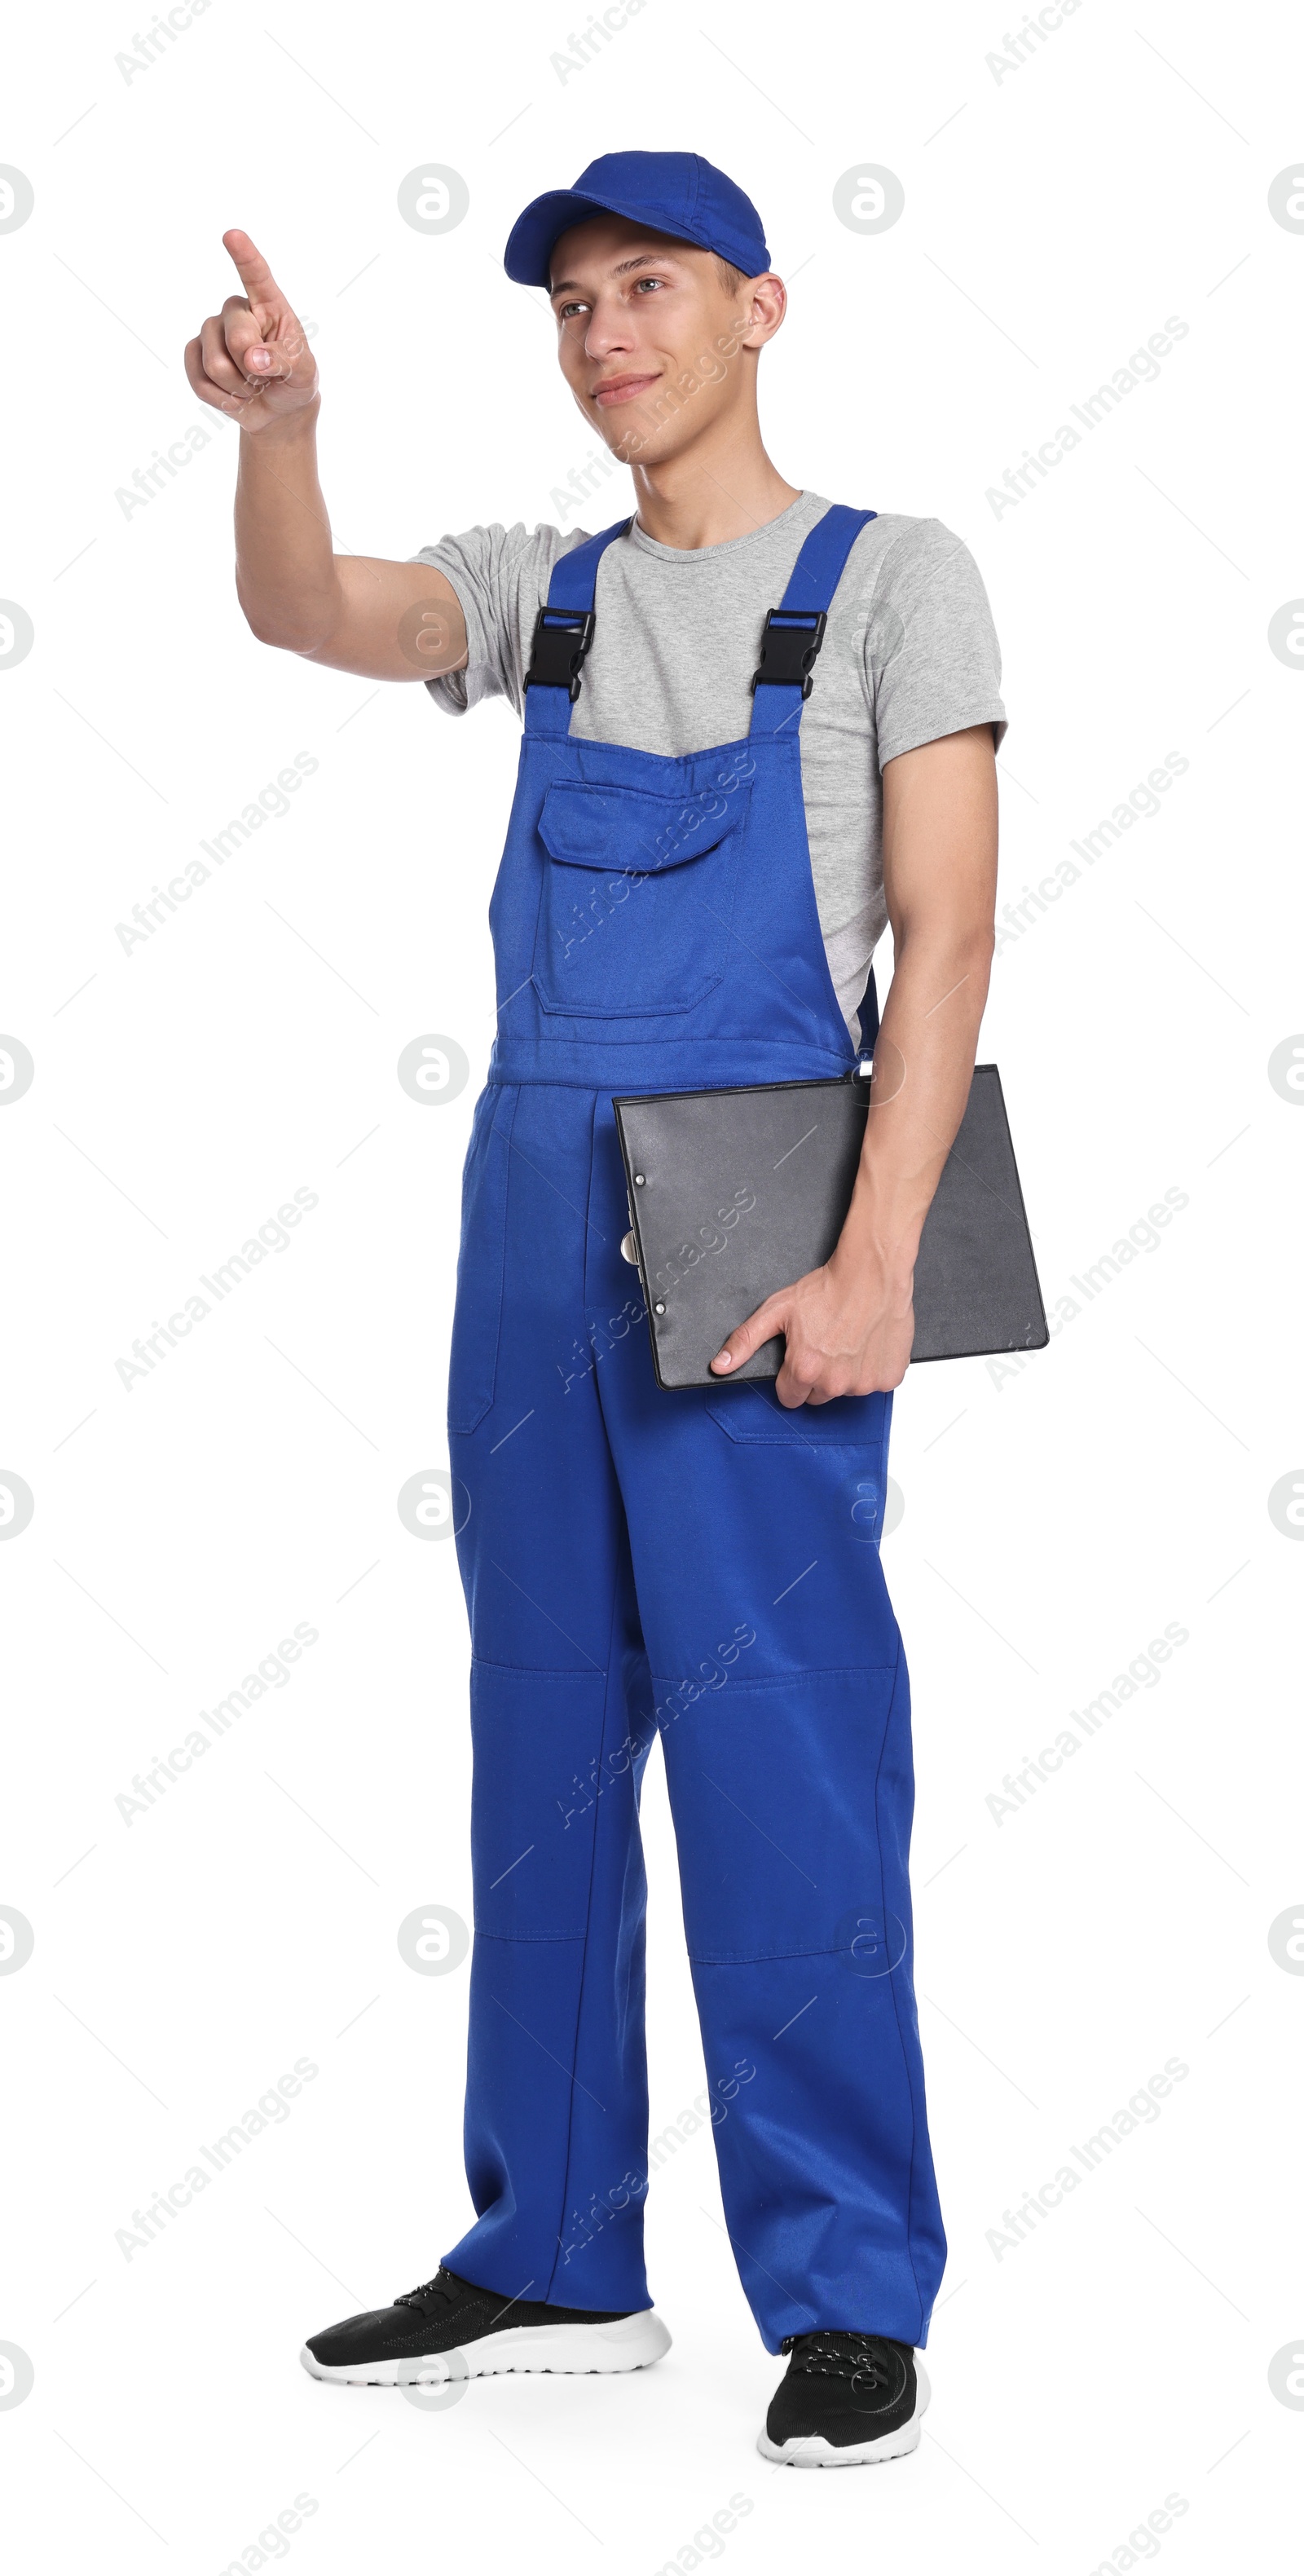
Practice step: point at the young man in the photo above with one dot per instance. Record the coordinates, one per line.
(695, 875)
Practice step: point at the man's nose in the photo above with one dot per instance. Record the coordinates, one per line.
(609, 329)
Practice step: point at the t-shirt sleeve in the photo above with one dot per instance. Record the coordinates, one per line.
(932, 661)
(501, 576)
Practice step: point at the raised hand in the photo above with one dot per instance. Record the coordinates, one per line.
(252, 360)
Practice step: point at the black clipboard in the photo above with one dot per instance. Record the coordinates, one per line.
(733, 1194)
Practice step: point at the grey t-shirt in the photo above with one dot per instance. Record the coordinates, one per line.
(909, 653)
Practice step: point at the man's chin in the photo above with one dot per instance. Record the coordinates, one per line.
(635, 437)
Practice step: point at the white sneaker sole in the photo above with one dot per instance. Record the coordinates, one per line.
(632, 2343)
(811, 2451)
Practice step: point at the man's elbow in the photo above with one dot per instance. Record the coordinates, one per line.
(279, 623)
(267, 627)
(980, 948)
(967, 965)
(960, 949)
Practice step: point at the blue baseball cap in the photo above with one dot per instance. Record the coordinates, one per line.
(670, 192)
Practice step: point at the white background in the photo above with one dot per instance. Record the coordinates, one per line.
(1054, 1521)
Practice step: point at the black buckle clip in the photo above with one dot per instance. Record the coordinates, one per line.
(559, 649)
(788, 651)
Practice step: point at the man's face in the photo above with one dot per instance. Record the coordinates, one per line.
(650, 336)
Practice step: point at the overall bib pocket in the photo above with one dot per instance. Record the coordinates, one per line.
(638, 897)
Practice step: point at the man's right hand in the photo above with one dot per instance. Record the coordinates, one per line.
(252, 360)
(363, 613)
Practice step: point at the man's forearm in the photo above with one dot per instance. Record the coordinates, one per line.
(286, 577)
(923, 1064)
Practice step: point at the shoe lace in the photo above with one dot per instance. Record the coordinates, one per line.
(866, 2363)
(439, 2292)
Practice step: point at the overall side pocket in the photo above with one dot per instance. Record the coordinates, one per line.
(477, 1313)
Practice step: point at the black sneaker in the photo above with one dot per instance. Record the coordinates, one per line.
(846, 2399)
(388, 2347)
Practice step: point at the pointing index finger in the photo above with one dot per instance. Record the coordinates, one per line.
(255, 276)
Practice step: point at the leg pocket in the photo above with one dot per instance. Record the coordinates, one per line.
(780, 1789)
(477, 1314)
(750, 1410)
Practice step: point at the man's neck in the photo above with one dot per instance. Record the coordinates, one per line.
(701, 498)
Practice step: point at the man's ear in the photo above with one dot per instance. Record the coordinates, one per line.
(767, 300)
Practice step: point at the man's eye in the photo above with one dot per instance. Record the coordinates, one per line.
(565, 311)
(640, 282)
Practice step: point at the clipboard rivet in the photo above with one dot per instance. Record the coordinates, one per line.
(639, 1179)
(658, 1310)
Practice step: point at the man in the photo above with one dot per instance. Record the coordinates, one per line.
(696, 872)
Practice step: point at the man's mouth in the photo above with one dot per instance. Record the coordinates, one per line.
(620, 389)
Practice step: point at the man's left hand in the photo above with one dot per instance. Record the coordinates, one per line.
(842, 1337)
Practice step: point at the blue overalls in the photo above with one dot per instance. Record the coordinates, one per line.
(702, 1564)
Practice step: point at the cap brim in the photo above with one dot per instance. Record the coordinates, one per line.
(527, 258)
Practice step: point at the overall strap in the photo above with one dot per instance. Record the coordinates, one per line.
(563, 632)
(794, 631)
